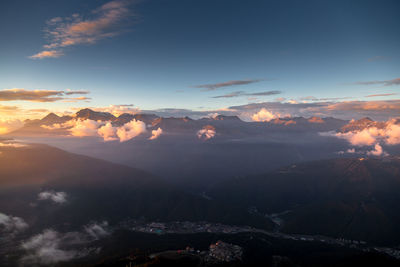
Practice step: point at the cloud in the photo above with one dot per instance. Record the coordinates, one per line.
(103, 129)
(376, 58)
(376, 95)
(7, 126)
(77, 92)
(82, 128)
(264, 115)
(14, 145)
(11, 224)
(47, 54)
(155, 134)
(207, 132)
(316, 120)
(106, 21)
(384, 83)
(108, 132)
(51, 247)
(34, 95)
(56, 197)
(377, 151)
(97, 230)
(365, 137)
(130, 130)
(215, 86)
(241, 93)
(47, 248)
(388, 133)
(30, 95)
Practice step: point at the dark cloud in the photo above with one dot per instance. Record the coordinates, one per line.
(215, 86)
(77, 92)
(242, 93)
(384, 83)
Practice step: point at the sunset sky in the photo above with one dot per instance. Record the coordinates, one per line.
(326, 57)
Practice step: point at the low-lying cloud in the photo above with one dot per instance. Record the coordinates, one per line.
(103, 129)
(155, 134)
(207, 132)
(11, 224)
(56, 197)
(51, 247)
(264, 115)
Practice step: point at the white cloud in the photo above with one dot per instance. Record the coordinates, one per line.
(377, 151)
(46, 248)
(108, 132)
(264, 115)
(56, 197)
(131, 130)
(389, 134)
(51, 247)
(155, 134)
(83, 128)
(207, 132)
(11, 224)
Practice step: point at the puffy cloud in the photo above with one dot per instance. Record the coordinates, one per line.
(7, 126)
(155, 134)
(105, 130)
(108, 132)
(389, 134)
(207, 132)
(392, 134)
(106, 22)
(51, 247)
(215, 86)
(82, 128)
(130, 130)
(56, 197)
(365, 137)
(47, 248)
(11, 224)
(378, 151)
(264, 115)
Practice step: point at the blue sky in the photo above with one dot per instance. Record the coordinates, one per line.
(157, 52)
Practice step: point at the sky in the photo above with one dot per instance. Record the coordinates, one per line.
(196, 57)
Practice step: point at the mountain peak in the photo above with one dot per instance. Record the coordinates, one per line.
(89, 114)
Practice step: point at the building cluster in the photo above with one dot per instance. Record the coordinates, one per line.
(224, 252)
(185, 227)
